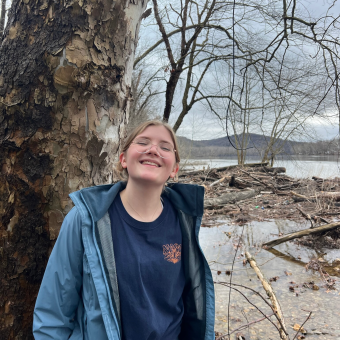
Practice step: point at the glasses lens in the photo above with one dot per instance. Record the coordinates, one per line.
(144, 145)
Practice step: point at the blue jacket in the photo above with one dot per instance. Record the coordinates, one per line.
(79, 296)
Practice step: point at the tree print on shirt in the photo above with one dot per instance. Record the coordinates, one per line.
(172, 252)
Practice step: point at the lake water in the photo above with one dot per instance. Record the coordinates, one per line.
(298, 167)
(287, 264)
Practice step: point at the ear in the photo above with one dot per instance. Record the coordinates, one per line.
(122, 159)
(174, 170)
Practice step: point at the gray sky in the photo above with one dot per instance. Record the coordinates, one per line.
(199, 124)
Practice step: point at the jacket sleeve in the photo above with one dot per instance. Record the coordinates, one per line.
(59, 294)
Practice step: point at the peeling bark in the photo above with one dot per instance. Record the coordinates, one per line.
(65, 80)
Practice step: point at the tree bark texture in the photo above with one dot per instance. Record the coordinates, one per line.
(65, 76)
(2, 18)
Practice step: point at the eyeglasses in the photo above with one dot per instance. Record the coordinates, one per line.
(144, 145)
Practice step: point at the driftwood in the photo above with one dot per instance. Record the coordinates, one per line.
(223, 168)
(300, 234)
(260, 181)
(300, 198)
(304, 214)
(249, 165)
(332, 196)
(205, 178)
(274, 170)
(229, 197)
(269, 290)
(238, 183)
(219, 181)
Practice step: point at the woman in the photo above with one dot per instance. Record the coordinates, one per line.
(127, 263)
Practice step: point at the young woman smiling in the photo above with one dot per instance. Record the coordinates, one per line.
(127, 263)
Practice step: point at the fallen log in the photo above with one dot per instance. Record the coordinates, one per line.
(333, 196)
(238, 183)
(230, 197)
(269, 290)
(249, 165)
(277, 170)
(300, 234)
(204, 178)
(300, 198)
(223, 168)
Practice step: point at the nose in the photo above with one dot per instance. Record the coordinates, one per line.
(155, 151)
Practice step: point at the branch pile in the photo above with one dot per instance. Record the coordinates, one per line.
(257, 192)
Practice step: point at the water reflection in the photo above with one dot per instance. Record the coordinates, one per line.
(287, 262)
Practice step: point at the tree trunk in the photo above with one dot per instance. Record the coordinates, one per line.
(65, 76)
(2, 18)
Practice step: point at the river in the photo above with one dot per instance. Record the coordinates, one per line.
(297, 167)
(287, 263)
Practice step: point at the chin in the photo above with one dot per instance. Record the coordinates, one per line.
(153, 180)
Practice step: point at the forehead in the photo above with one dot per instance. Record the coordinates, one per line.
(158, 133)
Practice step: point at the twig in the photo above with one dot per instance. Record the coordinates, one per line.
(257, 293)
(307, 216)
(231, 276)
(267, 287)
(247, 325)
(310, 313)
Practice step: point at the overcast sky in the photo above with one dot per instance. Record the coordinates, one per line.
(200, 124)
(206, 127)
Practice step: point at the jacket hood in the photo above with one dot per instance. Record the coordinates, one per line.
(186, 197)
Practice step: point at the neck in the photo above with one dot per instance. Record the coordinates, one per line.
(142, 201)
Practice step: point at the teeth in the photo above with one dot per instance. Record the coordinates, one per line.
(151, 163)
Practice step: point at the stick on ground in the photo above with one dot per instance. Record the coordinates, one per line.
(268, 288)
(301, 233)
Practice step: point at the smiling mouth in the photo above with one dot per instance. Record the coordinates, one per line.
(150, 163)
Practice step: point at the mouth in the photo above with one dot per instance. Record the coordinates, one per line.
(151, 163)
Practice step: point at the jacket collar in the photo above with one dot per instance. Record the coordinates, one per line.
(186, 197)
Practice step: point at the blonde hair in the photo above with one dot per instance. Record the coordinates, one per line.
(137, 131)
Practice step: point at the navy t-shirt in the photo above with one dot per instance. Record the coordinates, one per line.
(149, 272)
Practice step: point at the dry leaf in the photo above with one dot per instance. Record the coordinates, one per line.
(297, 328)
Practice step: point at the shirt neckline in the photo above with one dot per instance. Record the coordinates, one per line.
(139, 224)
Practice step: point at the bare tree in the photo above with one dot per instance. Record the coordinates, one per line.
(144, 97)
(65, 92)
(197, 36)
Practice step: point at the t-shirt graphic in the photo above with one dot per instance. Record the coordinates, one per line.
(172, 252)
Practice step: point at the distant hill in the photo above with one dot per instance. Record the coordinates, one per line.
(221, 147)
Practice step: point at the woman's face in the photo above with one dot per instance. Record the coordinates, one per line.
(150, 167)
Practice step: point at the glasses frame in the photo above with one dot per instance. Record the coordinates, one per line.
(157, 146)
